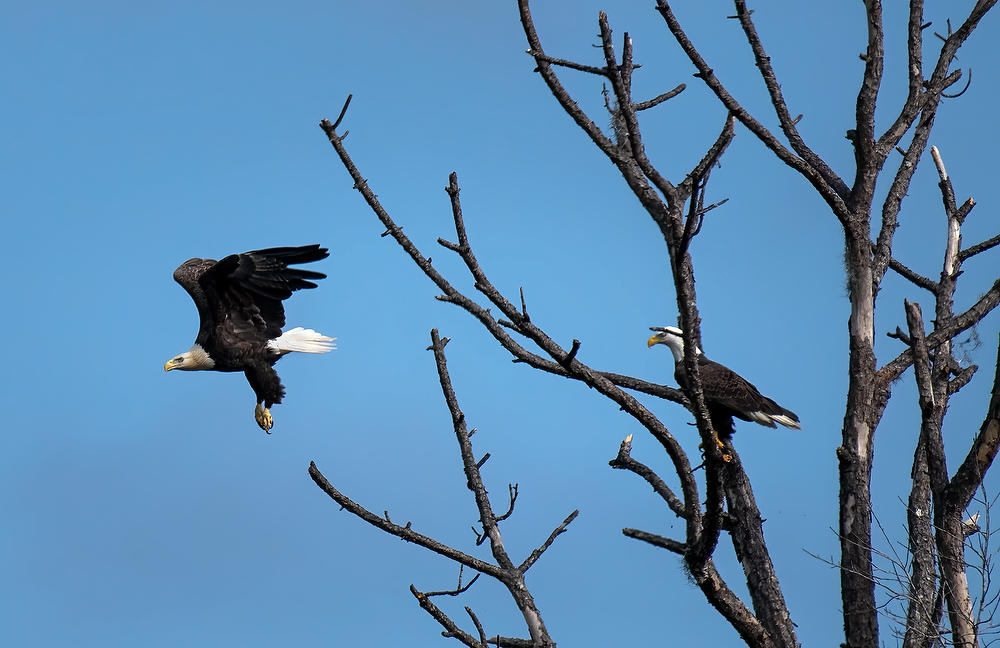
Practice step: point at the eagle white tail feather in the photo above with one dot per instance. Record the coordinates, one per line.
(303, 341)
(770, 419)
(787, 421)
(762, 418)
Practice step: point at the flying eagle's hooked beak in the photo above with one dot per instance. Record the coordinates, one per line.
(173, 363)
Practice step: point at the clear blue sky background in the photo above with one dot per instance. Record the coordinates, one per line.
(148, 509)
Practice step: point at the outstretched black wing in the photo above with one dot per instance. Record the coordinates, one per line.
(239, 298)
(188, 275)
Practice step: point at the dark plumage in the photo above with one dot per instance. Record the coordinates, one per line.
(239, 303)
(727, 394)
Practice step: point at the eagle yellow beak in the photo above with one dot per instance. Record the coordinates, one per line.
(653, 340)
(168, 365)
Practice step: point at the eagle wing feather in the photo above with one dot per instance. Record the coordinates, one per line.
(728, 389)
(239, 298)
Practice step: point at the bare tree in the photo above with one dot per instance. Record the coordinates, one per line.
(719, 502)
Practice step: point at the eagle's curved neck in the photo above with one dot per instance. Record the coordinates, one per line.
(199, 358)
(677, 348)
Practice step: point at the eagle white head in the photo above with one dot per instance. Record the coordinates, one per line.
(196, 359)
(673, 337)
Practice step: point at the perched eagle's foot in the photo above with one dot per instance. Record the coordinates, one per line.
(726, 455)
(263, 416)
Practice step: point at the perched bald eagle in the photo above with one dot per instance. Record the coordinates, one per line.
(239, 302)
(727, 394)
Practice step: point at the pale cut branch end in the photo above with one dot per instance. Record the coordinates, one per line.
(939, 163)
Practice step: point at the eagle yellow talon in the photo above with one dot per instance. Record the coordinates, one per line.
(726, 456)
(263, 417)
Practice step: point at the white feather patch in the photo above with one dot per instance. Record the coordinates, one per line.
(786, 421)
(303, 341)
(762, 418)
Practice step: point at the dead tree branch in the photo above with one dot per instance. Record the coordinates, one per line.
(504, 570)
(936, 576)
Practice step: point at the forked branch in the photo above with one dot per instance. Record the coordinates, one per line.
(604, 382)
(504, 570)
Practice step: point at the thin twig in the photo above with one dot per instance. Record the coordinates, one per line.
(657, 100)
(656, 540)
(402, 532)
(512, 488)
(914, 277)
(537, 553)
(978, 248)
(451, 629)
(538, 56)
(343, 111)
(459, 590)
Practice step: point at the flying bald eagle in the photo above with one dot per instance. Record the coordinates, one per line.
(239, 302)
(727, 394)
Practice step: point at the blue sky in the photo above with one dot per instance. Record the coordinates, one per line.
(148, 509)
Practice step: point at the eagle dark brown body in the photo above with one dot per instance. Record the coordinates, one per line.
(727, 394)
(239, 301)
